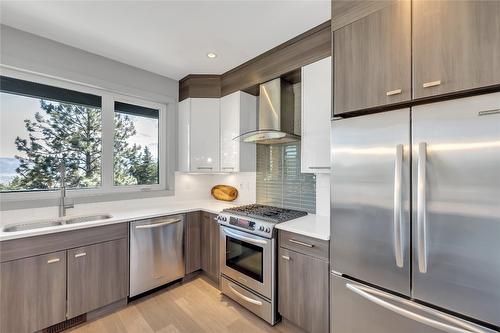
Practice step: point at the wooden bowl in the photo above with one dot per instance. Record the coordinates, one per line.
(224, 192)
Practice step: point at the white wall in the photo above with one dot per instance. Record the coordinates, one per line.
(190, 186)
(29, 52)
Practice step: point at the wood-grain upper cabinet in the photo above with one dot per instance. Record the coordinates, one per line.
(372, 60)
(33, 293)
(238, 114)
(193, 242)
(97, 276)
(210, 246)
(316, 113)
(455, 46)
(199, 135)
(303, 290)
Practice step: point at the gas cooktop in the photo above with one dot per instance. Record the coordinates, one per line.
(266, 213)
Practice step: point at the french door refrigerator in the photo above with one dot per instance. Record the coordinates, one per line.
(415, 219)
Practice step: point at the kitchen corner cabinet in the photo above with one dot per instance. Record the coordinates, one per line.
(372, 60)
(210, 238)
(303, 281)
(238, 114)
(193, 242)
(199, 135)
(455, 46)
(33, 293)
(97, 276)
(316, 113)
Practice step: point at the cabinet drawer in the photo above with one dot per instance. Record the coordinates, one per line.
(307, 245)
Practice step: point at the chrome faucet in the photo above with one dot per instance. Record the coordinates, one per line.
(63, 205)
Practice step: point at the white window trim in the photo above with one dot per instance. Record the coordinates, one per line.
(107, 108)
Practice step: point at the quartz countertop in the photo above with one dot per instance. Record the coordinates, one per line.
(312, 225)
(121, 211)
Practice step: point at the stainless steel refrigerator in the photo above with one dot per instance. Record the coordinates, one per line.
(415, 219)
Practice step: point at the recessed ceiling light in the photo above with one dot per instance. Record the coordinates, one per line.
(211, 55)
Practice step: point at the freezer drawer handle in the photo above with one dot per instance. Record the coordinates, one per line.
(243, 297)
(156, 225)
(300, 243)
(398, 198)
(421, 208)
(367, 293)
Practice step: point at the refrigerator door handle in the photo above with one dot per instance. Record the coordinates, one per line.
(461, 327)
(421, 208)
(398, 202)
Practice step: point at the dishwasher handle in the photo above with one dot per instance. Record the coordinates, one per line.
(159, 224)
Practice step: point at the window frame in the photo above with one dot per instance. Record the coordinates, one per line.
(108, 97)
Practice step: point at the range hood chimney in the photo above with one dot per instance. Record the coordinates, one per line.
(277, 115)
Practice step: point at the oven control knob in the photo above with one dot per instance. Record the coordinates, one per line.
(261, 228)
(268, 230)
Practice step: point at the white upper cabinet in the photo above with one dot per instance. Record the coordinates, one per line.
(199, 134)
(238, 115)
(316, 113)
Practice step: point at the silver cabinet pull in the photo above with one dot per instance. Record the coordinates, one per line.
(431, 84)
(393, 92)
(320, 167)
(243, 297)
(51, 261)
(421, 208)
(81, 254)
(156, 225)
(371, 295)
(398, 211)
(300, 243)
(285, 257)
(228, 168)
(204, 168)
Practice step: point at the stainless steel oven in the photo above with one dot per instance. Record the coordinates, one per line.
(248, 259)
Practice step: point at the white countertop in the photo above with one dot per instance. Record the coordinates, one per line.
(121, 211)
(129, 210)
(312, 225)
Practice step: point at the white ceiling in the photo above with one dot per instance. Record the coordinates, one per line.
(170, 38)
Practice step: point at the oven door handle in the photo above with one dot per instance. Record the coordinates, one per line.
(243, 238)
(243, 297)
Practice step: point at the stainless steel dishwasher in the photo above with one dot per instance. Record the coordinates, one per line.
(156, 252)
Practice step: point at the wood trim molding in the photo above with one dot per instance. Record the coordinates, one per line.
(286, 58)
(345, 12)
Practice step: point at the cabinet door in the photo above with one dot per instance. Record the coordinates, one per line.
(372, 60)
(204, 135)
(303, 290)
(210, 246)
(230, 128)
(183, 129)
(316, 114)
(33, 293)
(455, 46)
(193, 242)
(97, 276)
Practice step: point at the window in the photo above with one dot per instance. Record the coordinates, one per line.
(135, 159)
(44, 128)
(107, 142)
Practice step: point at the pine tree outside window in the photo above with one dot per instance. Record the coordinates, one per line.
(109, 143)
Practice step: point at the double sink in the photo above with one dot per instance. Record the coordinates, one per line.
(54, 222)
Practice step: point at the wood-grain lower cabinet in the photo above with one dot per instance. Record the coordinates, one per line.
(193, 242)
(303, 290)
(372, 60)
(33, 293)
(456, 46)
(97, 276)
(210, 256)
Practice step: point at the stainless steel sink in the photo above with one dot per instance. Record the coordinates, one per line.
(90, 218)
(53, 223)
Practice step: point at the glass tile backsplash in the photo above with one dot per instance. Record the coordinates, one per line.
(279, 180)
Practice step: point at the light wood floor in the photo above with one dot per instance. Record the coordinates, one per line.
(188, 307)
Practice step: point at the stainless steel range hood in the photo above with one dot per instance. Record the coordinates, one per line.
(279, 122)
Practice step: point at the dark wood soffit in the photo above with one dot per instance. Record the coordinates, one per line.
(199, 85)
(345, 12)
(306, 48)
